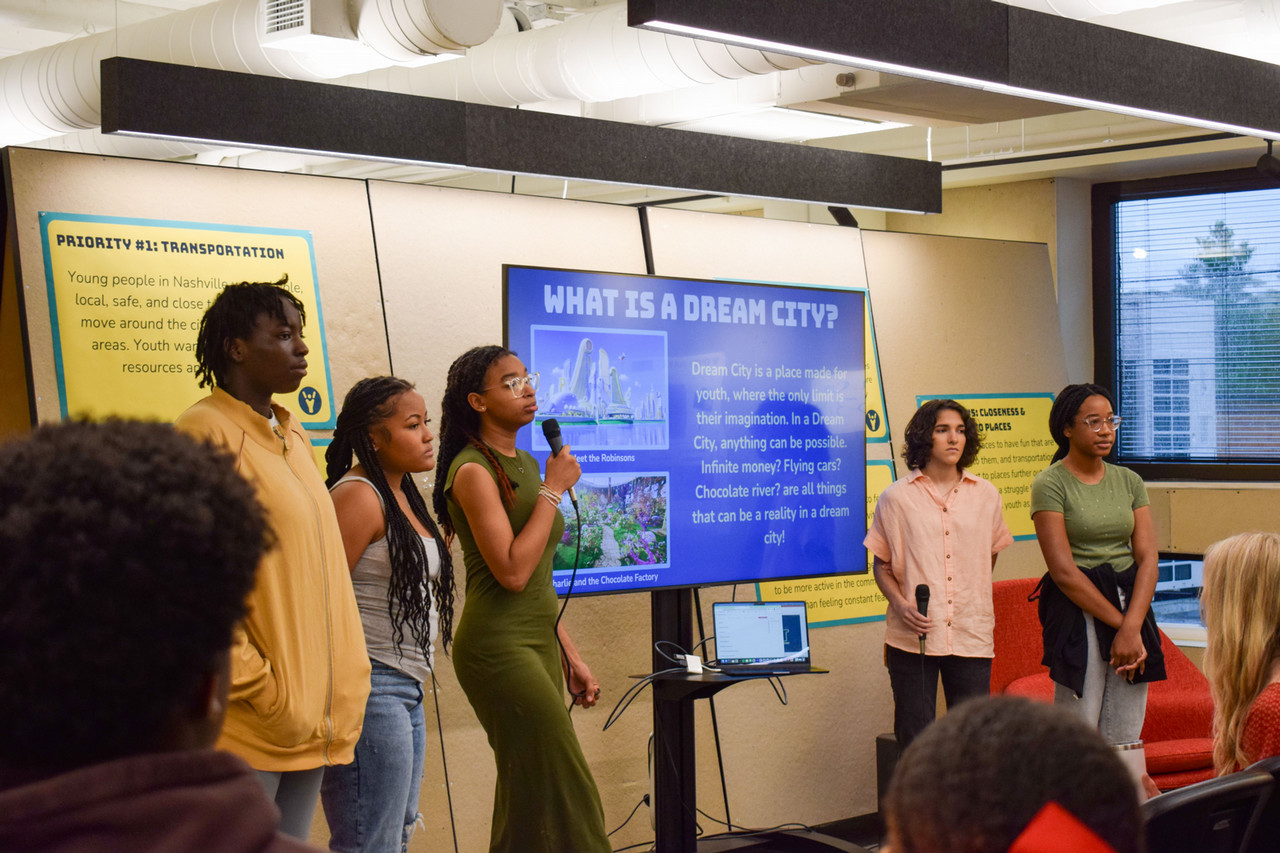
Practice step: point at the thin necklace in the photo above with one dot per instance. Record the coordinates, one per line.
(515, 460)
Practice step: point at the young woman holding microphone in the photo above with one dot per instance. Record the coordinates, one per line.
(506, 517)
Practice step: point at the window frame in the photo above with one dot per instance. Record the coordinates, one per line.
(1105, 368)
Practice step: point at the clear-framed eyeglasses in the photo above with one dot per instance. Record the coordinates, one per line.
(517, 384)
(1096, 424)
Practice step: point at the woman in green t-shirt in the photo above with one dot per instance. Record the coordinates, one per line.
(1094, 526)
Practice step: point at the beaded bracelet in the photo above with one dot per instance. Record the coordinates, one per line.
(547, 492)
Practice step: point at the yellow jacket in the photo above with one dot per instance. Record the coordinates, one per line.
(299, 670)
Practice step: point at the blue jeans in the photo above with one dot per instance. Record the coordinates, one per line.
(372, 803)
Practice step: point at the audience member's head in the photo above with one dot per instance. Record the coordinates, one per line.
(974, 780)
(1241, 607)
(126, 553)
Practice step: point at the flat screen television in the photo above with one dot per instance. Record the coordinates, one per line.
(719, 424)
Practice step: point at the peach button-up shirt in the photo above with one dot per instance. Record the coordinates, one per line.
(945, 541)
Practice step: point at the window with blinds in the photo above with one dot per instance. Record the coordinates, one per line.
(1187, 285)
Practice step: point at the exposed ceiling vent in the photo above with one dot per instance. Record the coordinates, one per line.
(286, 16)
(300, 25)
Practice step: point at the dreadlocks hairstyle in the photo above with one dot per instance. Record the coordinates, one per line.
(1065, 406)
(919, 434)
(367, 403)
(232, 315)
(460, 425)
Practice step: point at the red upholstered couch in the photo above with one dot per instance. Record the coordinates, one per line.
(1177, 734)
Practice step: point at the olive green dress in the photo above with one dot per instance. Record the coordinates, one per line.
(508, 663)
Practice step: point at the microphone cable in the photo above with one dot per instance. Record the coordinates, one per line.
(444, 761)
(644, 801)
(551, 431)
(555, 630)
(633, 691)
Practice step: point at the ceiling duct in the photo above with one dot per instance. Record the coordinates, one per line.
(406, 31)
(591, 58)
(57, 90)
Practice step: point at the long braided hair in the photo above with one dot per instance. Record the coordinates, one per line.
(1065, 406)
(369, 402)
(460, 425)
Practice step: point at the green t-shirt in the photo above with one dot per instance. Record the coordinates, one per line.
(1099, 518)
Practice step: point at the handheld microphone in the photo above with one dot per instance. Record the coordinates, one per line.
(551, 432)
(922, 604)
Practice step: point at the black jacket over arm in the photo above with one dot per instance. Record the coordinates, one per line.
(1066, 647)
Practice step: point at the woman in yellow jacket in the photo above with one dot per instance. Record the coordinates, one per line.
(299, 671)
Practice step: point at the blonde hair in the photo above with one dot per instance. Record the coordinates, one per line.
(1240, 604)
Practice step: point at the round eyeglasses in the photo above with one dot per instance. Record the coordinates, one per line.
(1096, 424)
(517, 384)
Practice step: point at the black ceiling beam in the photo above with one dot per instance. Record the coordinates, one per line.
(987, 44)
(153, 99)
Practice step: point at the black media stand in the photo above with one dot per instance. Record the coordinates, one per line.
(674, 760)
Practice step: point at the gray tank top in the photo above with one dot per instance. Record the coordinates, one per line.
(370, 578)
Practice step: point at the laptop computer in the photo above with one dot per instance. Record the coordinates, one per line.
(761, 637)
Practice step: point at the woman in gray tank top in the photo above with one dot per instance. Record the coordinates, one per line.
(403, 581)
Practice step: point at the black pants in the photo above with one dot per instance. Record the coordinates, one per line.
(914, 678)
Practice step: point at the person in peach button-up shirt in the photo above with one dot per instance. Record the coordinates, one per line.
(942, 527)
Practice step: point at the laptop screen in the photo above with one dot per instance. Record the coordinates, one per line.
(763, 632)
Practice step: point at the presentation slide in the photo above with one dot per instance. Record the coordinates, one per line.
(720, 425)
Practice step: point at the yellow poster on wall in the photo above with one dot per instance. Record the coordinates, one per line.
(877, 418)
(1015, 448)
(125, 301)
(840, 599)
